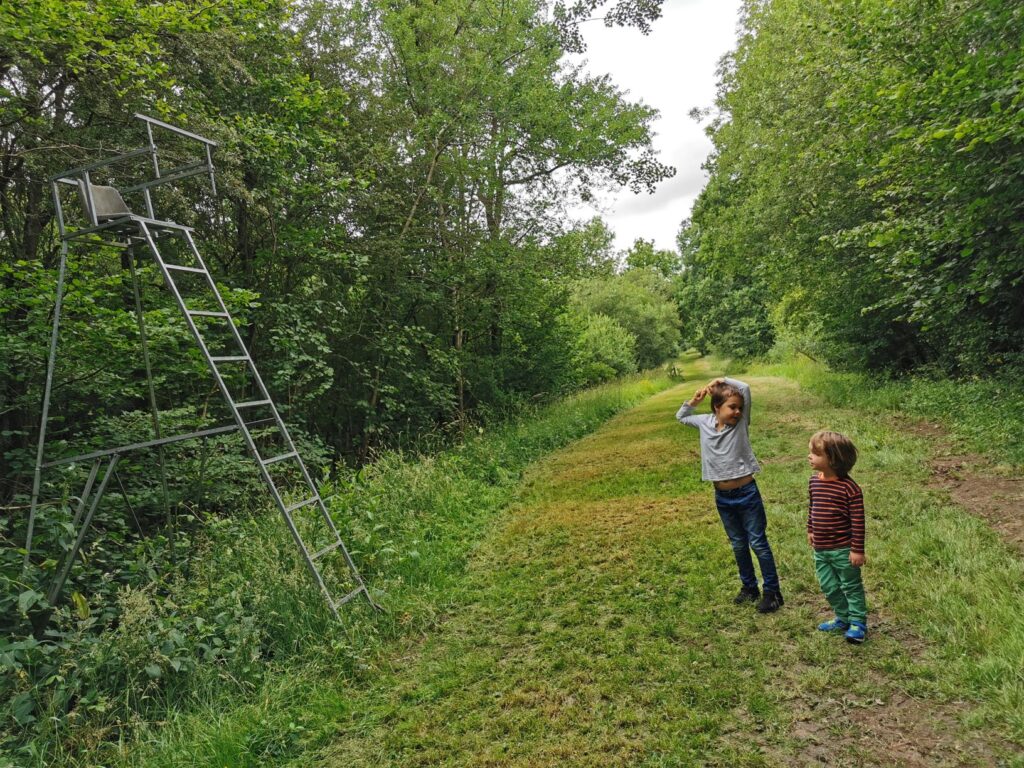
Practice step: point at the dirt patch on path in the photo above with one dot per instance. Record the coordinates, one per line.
(899, 730)
(874, 722)
(976, 484)
(972, 484)
(889, 726)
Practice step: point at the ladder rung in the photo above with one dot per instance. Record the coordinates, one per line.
(349, 596)
(230, 359)
(282, 457)
(252, 404)
(301, 504)
(206, 313)
(325, 550)
(260, 422)
(183, 268)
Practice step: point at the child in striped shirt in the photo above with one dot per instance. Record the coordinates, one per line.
(835, 528)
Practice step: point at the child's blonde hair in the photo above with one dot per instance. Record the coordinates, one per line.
(837, 448)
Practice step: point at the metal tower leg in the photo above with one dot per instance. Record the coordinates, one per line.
(47, 389)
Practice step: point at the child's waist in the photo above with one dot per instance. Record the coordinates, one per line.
(735, 484)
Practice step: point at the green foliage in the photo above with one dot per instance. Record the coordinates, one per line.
(639, 300)
(863, 173)
(984, 415)
(241, 608)
(389, 236)
(604, 350)
(393, 198)
(643, 255)
(594, 245)
(723, 312)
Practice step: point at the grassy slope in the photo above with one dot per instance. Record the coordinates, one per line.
(598, 630)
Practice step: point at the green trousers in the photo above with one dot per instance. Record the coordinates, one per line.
(841, 584)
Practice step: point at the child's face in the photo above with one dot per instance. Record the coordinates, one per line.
(819, 463)
(731, 411)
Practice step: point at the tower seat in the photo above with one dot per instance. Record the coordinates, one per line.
(107, 203)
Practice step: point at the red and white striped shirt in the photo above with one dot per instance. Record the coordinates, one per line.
(836, 517)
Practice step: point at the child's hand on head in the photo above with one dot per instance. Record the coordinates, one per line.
(857, 559)
(698, 396)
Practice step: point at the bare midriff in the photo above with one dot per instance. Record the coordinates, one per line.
(736, 482)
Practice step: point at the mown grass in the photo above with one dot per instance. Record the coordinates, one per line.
(590, 622)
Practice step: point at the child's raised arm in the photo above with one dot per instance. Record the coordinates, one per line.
(685, 414)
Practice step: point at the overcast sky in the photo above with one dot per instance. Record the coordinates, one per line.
(673, 70)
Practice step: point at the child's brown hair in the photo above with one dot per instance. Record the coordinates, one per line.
(837, 448)
(720, 393)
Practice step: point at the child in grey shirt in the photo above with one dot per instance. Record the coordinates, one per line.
(728, 461)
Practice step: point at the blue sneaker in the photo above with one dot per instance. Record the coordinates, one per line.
(835, 625)
(856, 633)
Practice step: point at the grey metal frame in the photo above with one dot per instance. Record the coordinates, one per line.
(142, 231)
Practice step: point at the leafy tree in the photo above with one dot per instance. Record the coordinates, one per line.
(604, 350)
(861, 172)
(593, 246)
(643, 255)
(639, 301)
(720, 310)
(391, 191)
(389, 231)
(499, 132)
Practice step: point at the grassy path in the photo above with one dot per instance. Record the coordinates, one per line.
(599, 631)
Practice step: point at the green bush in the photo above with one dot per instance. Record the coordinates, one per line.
(604, 350)
(640, 301)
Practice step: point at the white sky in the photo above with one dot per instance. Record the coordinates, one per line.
(673, 70)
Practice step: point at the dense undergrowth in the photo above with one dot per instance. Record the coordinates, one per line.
(242, 615)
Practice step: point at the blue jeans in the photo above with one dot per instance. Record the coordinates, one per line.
(742, 513)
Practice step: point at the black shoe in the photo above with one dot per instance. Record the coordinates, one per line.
(747, 595)
(770, 602)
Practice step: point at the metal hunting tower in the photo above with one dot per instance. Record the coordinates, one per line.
(109, 221)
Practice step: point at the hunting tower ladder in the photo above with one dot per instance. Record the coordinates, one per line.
(108, 221)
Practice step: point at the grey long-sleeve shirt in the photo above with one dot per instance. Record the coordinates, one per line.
(727, 454)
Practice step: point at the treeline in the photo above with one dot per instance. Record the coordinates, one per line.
(393, 182)
(864, 203)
